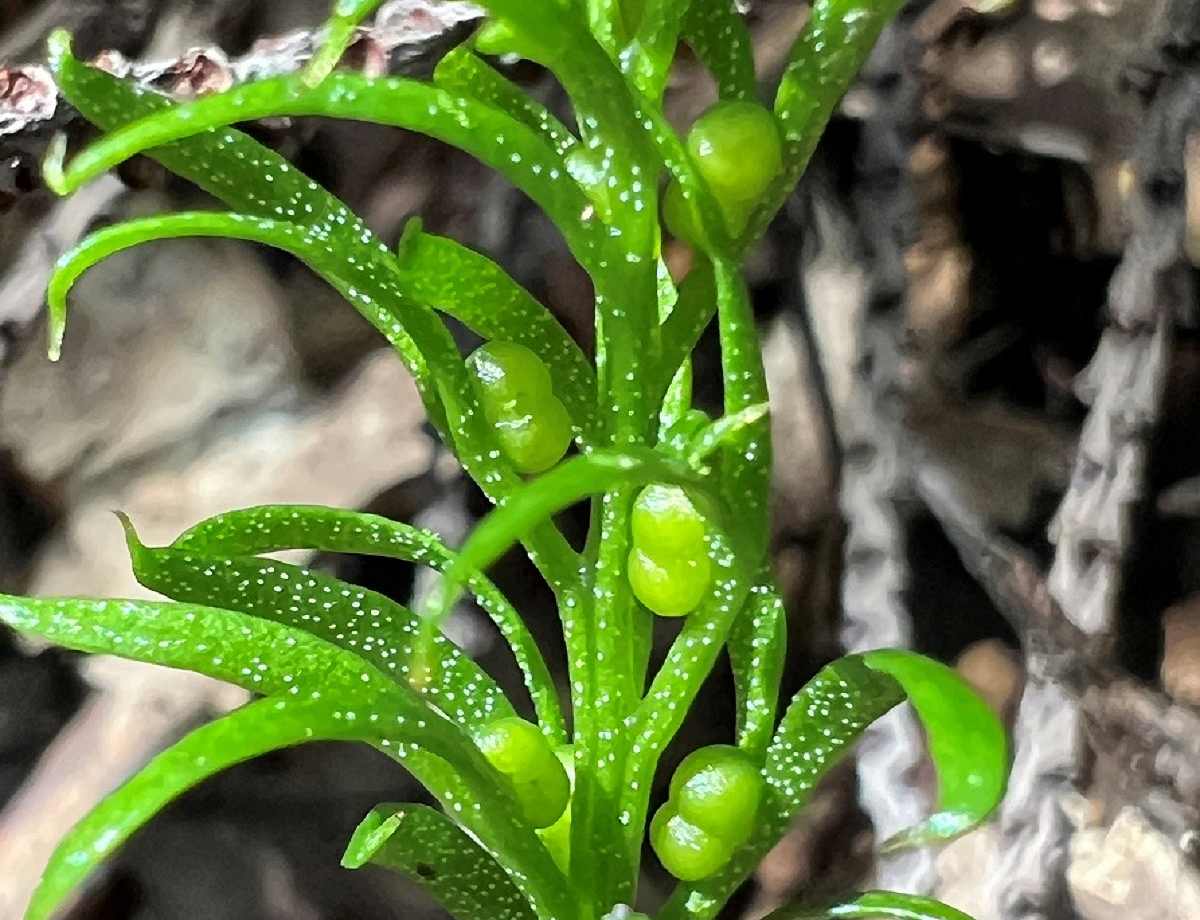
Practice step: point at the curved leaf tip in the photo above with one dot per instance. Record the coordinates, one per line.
(52, 165)
(372, 833)
(58, 47)
(967, 743)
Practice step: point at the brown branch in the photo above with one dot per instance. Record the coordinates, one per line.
(876, 468)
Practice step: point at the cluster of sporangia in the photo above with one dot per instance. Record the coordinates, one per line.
(715, 793)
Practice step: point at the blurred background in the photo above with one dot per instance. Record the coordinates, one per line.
(979, 319)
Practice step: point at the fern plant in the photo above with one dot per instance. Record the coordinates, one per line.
(547, 821)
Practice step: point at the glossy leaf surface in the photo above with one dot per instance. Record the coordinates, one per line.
(430, 849)
(271, 528)
(365, 623)
(716, 31)
(967, 743)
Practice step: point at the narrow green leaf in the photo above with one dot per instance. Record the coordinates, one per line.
(462, 71)
(836, 41)
(757, 650)
(649, 55)
(254, 180)
(870, 904)
(694, 310)
(343, 20)
(717, 32)
(967, 744)
(747, 454)
(396, 722)
(824, 719)
(260, 656)
(678, 399)
(724, 432)
(607, 22)
(271, 528)
(373, 627)
(426, 846)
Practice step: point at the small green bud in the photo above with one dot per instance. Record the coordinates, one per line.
(671, 586)
(557, 837)
(738, 150)
(665, 523)
(506, 373)
(537, 438)
(522, 755)
(686, 851)
(515, 390)
(718, 788)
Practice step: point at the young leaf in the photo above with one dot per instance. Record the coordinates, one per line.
(869, 904)
(694, 310)
(746, 459)
(757, 648)
(716, 31)
(649, 55)
(724, 432)
(373, 627)
(426, 846)
(270, 528)
(678, 399)
(462, 71)
(967, 744)
(836, 40)
(339, 33)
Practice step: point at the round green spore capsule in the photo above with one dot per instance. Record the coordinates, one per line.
(506, 374)
(515, 390)
(666, 524)
(671, 586)
(537, 438)
(718, 789)
(557, 837)
(520, 752)
(686, 851)
(737, 148)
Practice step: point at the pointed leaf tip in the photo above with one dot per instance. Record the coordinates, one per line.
(52, 165)
(58, 47)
